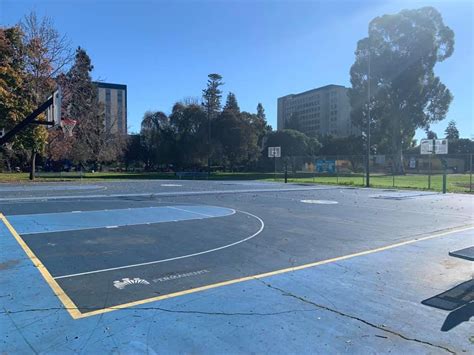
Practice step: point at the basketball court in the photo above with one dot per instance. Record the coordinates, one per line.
(219, 253)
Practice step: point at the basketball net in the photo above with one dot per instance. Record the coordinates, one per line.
(67, 125)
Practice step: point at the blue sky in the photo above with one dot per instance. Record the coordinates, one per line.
(163, 50)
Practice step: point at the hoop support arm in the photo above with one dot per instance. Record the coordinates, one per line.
(29, 119)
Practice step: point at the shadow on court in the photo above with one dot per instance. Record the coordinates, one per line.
(458, 300)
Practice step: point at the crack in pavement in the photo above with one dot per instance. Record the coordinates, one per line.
(166, 310)
(21, 333)
(302, 299)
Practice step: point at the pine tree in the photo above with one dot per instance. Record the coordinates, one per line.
(231, 103)
(452, 131)
(212, 95)
(260, 126)
(261, 112)
(212, 104)
(82, 104)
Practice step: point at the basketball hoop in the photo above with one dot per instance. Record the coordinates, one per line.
(67, 125)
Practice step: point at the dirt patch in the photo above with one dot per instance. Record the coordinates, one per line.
(9, 264)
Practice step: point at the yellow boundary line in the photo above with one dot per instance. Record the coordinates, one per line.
(76, 314)
(58, 291)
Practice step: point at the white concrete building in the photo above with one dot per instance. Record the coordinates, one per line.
(320, 112)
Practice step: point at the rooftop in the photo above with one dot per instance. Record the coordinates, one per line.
(330, 86)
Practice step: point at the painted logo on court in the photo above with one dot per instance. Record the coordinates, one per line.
(126, 281)
(320, 202)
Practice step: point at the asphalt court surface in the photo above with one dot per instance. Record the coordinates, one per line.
(144, 241)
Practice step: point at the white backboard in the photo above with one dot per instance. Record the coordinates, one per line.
(274, 152)
(434, 146)
(426, 146)
(53, 112)
(441, 146)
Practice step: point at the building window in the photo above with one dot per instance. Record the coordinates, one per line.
(107, 109)
(120, 111)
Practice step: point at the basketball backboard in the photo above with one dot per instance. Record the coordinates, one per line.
(53, 112)
(441, 146)
(274, 152)
(434, 146)
(426, 146)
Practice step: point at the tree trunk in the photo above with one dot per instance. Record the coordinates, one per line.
(9, 164)
(397, 154)
(32, 164)
(398, 162)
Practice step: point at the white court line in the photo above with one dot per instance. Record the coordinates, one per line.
(82, 228)
(166, 194)
(201, 214)
(175, 258)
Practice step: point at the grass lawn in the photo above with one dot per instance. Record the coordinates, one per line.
(73, 176)
(456, 182)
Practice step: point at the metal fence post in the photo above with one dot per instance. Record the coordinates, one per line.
(393, 173)
(429, 172)
(470, 173)
(275, 170)
(365, 170)
(444, 182)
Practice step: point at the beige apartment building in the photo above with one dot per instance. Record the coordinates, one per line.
(319, 112)
(114, 99)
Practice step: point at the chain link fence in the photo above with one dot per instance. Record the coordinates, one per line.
(424, 172)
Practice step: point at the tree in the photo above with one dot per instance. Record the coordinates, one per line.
(231, 103)
(157, 139)
(405, 94)
(452, 131)
(16, 96)
(235, 137)
(47, 52)
(212, 95)
(260, 125)
(430, 134)
(46, 55)
(351, 145)
(81, 102)
(461, 146)
(212, 103)
(189, 124)
(261, 112)
(351, 148)
(133, 153)
(293, 144)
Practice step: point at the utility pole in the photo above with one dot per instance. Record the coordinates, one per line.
(208, 143)
(367, 163)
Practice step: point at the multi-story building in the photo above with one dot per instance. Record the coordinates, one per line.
(320, 112)
(114, 99)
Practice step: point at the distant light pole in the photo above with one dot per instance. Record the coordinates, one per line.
(208, 143)
(367, 163)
